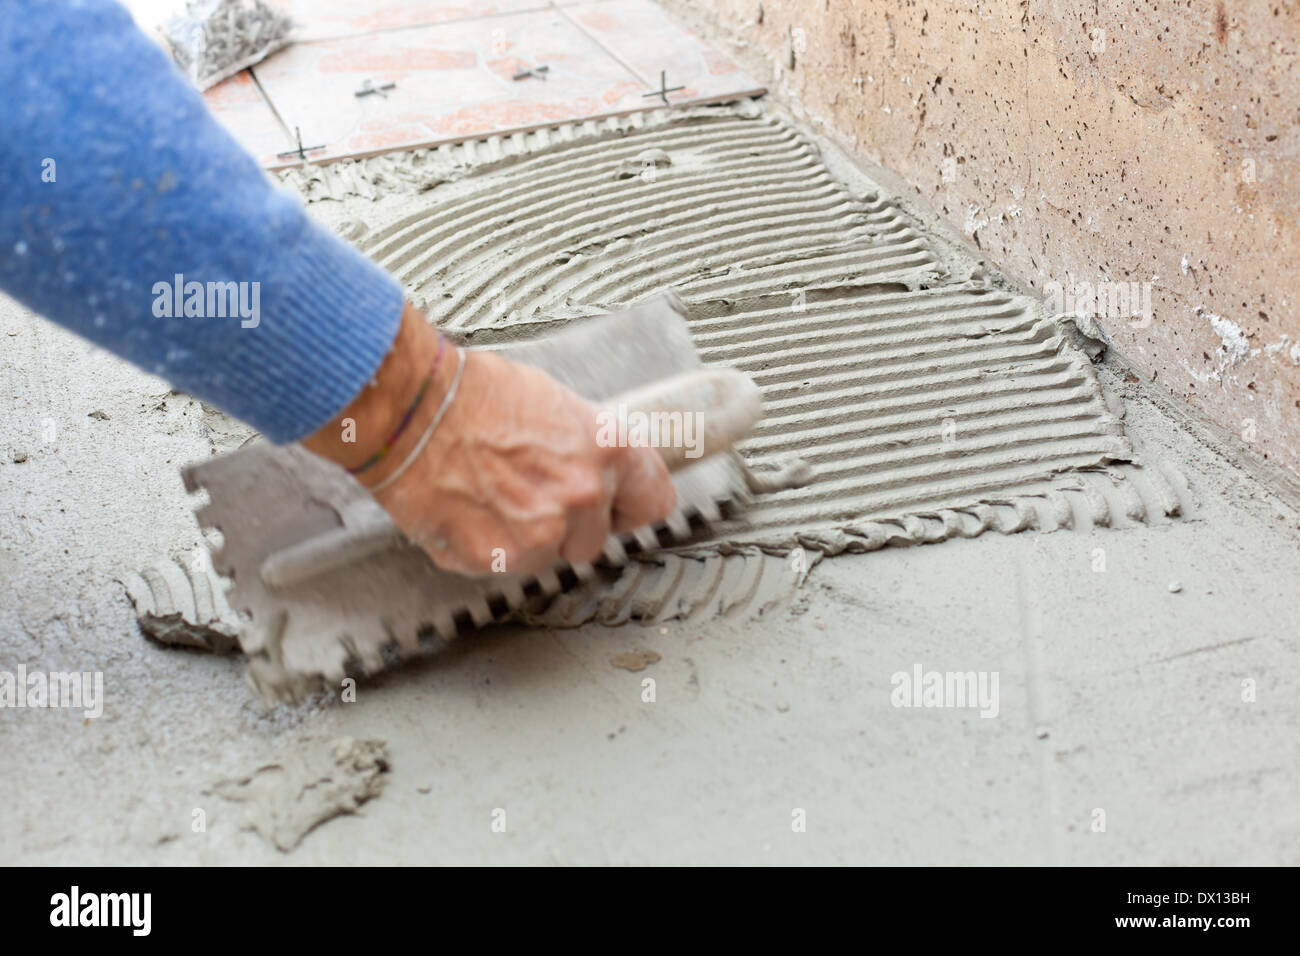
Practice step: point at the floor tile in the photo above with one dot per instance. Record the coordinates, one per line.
(640, 34)
(334, 19)
(240, 107)
(452, 80)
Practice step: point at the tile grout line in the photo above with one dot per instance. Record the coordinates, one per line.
(608, 52)
(266, 98)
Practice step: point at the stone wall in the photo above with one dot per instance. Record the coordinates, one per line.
(1147, 151)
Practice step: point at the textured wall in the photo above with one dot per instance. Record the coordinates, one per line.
(1143, 143)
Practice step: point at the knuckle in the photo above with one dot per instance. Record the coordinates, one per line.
(585, 491)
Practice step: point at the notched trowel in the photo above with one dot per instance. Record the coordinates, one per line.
(328, 585)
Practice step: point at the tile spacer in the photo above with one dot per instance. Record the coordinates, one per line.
(664, 88)
(537, 71)
(367, 88)
(302, 151)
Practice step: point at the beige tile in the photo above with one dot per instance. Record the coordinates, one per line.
(640, 34)
(333, 19)
(453, 80)
(240, 107)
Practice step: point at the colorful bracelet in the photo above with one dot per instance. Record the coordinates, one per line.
(406, 419)
(432, 427)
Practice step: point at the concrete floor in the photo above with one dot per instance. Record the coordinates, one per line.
(1116, 694)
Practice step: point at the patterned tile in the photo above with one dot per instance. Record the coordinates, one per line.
(640, 34)
(240, 107)
(334, 19)
(453, 80)
(453, 63)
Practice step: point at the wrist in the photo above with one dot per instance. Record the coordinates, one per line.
(378, 429)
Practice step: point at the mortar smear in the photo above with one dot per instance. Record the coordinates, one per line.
(635, 660)
(285, 800)
(181, 601)
(726, 204)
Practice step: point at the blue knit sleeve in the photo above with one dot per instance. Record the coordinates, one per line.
(128, 215)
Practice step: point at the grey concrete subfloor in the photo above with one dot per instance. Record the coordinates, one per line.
(1116, 694)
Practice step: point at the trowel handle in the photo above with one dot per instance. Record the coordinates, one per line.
(685, 418)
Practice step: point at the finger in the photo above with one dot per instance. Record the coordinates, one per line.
(588, 528)
(645, 492)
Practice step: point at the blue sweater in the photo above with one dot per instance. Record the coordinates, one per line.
(126, 212)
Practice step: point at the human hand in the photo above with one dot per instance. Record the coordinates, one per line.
(512, 478)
